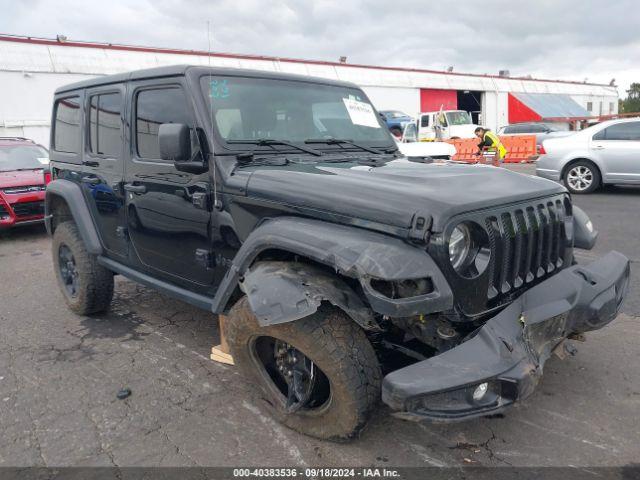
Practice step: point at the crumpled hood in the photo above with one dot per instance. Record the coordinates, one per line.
(392, 193)
(19, 178)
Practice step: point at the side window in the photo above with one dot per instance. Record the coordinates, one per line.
(153, 108)
(424, 121)
(621, 131)
(66, 129)
(105, 126)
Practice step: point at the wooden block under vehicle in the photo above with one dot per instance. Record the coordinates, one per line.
(220, 353)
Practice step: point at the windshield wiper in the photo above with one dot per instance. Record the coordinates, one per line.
(338, 141)
(263, 142)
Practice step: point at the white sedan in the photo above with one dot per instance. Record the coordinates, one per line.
(607, 153)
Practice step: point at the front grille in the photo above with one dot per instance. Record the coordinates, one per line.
(527, 244)
(28, 209)
(24, 189)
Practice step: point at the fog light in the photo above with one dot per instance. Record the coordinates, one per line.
(480, 391)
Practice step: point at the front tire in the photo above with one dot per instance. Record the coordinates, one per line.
(319, 375)
(86, 285)
(581, 177)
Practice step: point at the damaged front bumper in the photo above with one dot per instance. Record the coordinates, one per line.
(503, 362)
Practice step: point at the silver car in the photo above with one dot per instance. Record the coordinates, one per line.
(607, 153)
(542, 131)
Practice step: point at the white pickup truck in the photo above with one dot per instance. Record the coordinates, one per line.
(412, 148)
(445, 124)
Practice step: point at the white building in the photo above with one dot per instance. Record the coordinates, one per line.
(32, 68)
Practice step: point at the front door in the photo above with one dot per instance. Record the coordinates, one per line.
(168, 215)
(425, 127)
(618, 147)
(103, 165)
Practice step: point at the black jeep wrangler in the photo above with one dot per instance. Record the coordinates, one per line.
(347, 272)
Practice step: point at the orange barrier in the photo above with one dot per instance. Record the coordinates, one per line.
(466, 149)
(520, 149)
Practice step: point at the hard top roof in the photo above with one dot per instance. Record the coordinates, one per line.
(176, 70)
(4, 141)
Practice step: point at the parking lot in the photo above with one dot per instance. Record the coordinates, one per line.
(60, 373)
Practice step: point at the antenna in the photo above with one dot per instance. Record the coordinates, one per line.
(216, 203)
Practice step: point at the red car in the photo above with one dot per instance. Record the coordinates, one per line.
(24, 173)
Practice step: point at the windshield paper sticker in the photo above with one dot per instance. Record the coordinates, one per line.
(43, 160)
(219, 89)
(361, 113)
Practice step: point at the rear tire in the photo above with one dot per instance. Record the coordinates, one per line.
(581, 177)
(338, 350)
(86, 285)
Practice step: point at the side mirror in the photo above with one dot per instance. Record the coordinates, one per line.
(174, 140)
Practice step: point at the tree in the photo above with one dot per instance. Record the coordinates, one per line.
(632, 102)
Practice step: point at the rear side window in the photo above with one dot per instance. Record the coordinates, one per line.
(621, 131)
(105, 125)
(153, 108)
(66, 129)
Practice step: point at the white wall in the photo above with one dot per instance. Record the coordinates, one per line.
(600, 104)
(390, 98)
(26, 100)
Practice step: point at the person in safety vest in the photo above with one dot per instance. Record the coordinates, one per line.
(491, 143)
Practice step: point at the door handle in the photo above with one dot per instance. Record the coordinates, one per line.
(90, 163)
(598, 147)
(130, 187)
(91, 180)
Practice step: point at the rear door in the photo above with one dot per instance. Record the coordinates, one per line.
(103, 165)
(618, 147)
(168, 217)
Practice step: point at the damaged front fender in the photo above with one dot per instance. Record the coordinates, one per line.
(280, 292)
(350, 251)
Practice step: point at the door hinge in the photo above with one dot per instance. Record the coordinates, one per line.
(420, 228)
(205, 258)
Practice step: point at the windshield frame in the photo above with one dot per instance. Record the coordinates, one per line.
(222, 147)
(40, 165)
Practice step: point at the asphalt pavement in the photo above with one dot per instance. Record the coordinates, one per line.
(60, 374)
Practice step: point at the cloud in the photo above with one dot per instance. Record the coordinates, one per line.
(572, 39)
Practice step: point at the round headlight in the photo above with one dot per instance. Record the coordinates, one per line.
(459, 246)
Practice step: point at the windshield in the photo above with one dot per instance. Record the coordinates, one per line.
(22, 157)
(395, 114)
(256, 109)
(459, 118)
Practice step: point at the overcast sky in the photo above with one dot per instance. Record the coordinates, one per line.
(568, 39)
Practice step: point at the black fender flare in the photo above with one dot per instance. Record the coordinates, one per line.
(281, 291)
(350, 251)
(71, 193)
